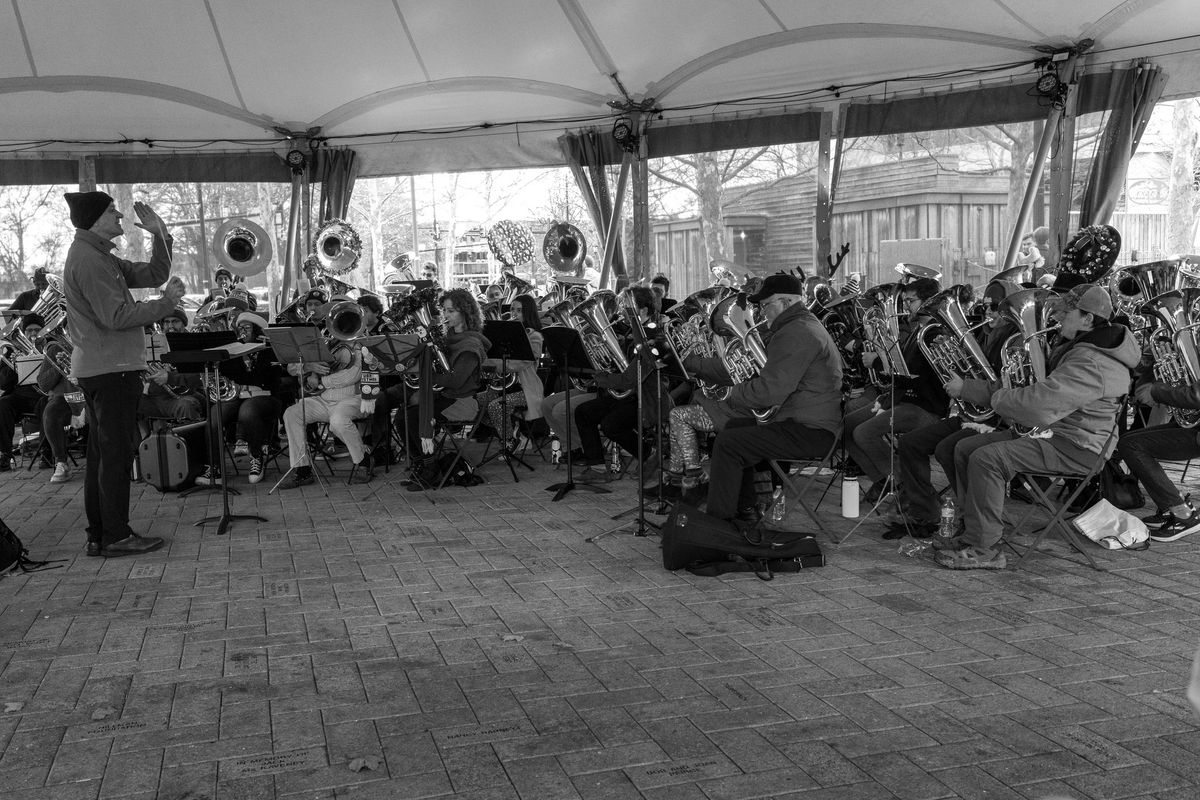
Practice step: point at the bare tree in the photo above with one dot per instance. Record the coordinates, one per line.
(1181, 190)
(24, 211)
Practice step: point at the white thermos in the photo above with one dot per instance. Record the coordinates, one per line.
(850, 497)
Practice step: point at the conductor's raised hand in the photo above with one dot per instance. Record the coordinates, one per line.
(149, 221)
(174, 289)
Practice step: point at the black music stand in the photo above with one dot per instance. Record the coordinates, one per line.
(640, 525)
(566, 347)
(397, 351)
(214, 357)
(509, 340)
(184, 351)
(299, 344)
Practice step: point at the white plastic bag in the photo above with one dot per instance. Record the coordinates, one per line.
(1112, 528)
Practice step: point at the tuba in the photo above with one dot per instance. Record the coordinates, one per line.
(425, 321)
(1023, 356)
(595, 326)
(51, 306)
(337, 247)
(242, 247)
(1173, 347)
(949, 346)
(739, 345)
(513, 285)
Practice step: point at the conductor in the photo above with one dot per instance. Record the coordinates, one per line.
(108, 359)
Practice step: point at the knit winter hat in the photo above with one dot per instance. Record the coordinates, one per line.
(87, 207)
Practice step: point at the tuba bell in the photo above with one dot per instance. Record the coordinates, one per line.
(739, 345)
(1024, 353)
(564, 247)
(337, 247)
(345, 321)
(242, 247)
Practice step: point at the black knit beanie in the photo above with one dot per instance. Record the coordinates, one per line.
(87, 207)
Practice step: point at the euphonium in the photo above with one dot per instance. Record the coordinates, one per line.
(425, 321)
(951, 350)
(881, 329)
(598, 336)
(739, 345)
(51, 306)
(1173, 347)
(1023, 357)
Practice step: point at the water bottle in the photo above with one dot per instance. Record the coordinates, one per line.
(555, 450)
(778, 505)
(946, 523)
(850, 489)
(614, 462)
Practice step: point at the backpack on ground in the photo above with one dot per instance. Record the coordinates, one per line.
(13, 554)
(708, 546)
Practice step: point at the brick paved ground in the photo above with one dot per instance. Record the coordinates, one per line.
(480, 648)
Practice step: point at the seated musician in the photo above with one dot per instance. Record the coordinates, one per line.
(169, 393)
(918, 511)
(265, 390)
(313, 302)
(466, 348)
(222, 283)
(661, 285)
(912, 403)
(1144, 448)
(802, 378)
(1077, 402)
(16, 401)
(331, 394)
(617, 418)
(64, 399)
(526, 394)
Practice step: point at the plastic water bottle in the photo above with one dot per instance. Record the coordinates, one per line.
(946, 523)
(555, 450)
(778, 505)
(850, 490)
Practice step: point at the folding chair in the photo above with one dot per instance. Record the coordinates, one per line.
(782, 468)
(1060, 514)
(446, 431)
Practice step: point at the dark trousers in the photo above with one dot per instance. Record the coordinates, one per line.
(257, 416)
(742, 444)
(1144, 449)
(918, 498)
(13, 406)
(413, 425)
(617, 419)
(55, 417)
(112, 402)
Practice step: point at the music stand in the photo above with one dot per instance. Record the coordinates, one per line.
(299, 344)
(183, 350)
(27, 370)
(508, 340)
(181, 353)
(397, 351)
(566, 347)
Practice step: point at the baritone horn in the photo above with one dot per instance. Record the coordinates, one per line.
(242, 247)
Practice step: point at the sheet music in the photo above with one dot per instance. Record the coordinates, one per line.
(239, 348)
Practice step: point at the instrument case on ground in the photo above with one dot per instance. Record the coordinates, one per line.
(171, 458)
(708, 546)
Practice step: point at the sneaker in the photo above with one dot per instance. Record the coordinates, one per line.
(210, 477)
(1174, 528)
(62, 473)
(256, 470)
(971, 557)
(299, 477)
(240, 448)
(1156, 519)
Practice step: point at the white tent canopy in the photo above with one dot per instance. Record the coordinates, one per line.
(424, 85)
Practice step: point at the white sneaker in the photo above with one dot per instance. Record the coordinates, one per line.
(62, 473)
(240, 448)
(256, 470)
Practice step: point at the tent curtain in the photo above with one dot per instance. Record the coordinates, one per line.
(586, 155)
(336, 169)
(1131, 96)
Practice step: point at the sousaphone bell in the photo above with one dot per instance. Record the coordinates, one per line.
(242, 247)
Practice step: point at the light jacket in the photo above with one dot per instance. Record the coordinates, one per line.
(1078, 399)
(106, 322)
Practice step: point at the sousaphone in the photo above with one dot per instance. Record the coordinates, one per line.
(564, 247)
(242, 247)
